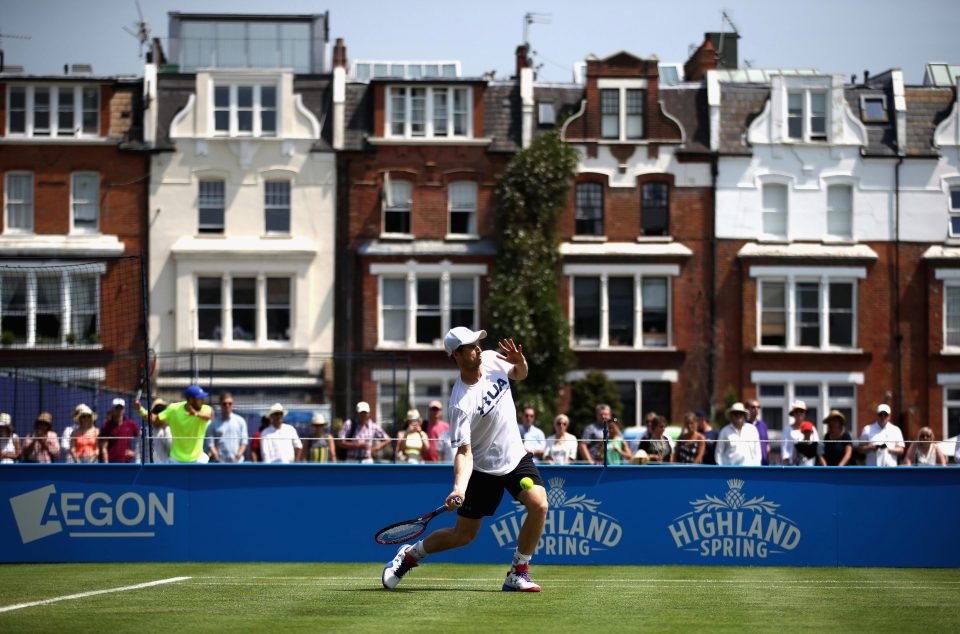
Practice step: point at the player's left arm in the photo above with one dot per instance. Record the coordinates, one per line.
(513, 353)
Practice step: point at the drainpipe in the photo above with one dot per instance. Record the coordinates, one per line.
(898, 335)
(712, 285)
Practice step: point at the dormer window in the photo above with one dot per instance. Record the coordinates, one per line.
(621, 113)
(873, 108)
(244, 110)
(807, 115)
(429, 112)
(53, 111)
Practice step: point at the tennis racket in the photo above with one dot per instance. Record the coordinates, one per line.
(409, 529)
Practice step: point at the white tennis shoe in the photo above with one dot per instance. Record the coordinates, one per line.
(518, 580)
(394, 571)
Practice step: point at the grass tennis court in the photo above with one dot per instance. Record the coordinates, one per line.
(467, 598)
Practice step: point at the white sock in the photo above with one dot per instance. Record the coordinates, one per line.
(417, 551)
(519, 558)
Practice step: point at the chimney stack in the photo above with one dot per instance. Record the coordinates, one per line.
(523, 58)
(703, 59)
(339, 54)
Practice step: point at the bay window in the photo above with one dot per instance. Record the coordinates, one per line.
(429, 112)
(59, 111)
(245, 310)
(50, 306)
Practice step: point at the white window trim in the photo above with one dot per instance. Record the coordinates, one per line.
(31, 271)
(476, 204)
(947, 382)
(948, 184)
(428, 113)
(807, 114)
(283, 177)
(637, 377)
(786, 182)
(823, 276)
(54, 88)
(74, 230)
(445, 377)
(7, 229)
(949, 281)
(842, 182)
(823, 379)
(638, 273)
(233, 83)
(387, 202)
(622, 85)
(410, 271)
(226, 307)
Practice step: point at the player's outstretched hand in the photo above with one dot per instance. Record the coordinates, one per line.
(510, 352)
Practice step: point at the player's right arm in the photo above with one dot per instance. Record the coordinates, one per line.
(462, 468)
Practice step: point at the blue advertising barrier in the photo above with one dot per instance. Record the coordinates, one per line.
(764, 516)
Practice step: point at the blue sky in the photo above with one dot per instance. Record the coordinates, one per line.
(844, 36)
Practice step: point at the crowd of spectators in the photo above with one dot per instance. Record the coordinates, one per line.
(191, 431)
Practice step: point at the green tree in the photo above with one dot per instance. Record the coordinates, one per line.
(586, 394)
(523, 303)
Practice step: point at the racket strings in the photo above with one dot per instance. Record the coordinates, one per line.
(400, 532)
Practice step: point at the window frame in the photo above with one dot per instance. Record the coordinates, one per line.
(74, 201)
(807, 115)
(864, 110)
(643, 208)
(257, 109)
(949, 404)
(767, 212)
(833, 212)
(824, 278)
(822, 403)
(953, 219)
(65, 311)
(389, 205)
(277, 209)
(579, 212)
(637, 378)
(624, 117)
(211, 228)
(950, 286)
(261, 338)
(640, 273)
(29, 208)
(470, 213)
(459, 111)
(78, 111)
(411, 274)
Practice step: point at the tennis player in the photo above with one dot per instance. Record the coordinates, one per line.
(489, 459)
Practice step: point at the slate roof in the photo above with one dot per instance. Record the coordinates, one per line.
(501, 116)
(317, 95)
(173, 92)
(688, 105)
(881, 137)
(926, 108)
(739, 106)
(358, 116)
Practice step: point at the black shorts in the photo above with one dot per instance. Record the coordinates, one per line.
(484, 491)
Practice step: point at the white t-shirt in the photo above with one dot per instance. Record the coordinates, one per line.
(741, 448)
(563, 452)
(889, 434)
(533, 440)
(483, 416)
(278, 444)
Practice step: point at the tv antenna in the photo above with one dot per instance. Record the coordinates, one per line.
(533, 18)
(142, 32)
(9, 36)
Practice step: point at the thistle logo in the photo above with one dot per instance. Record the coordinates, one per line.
(734, 526)
(574, 526)
(42, 512)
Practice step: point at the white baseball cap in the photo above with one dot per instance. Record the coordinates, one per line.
(883, 408)
(119, 402)
(363, 406)
(461, 336)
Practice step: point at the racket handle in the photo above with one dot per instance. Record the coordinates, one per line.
(457, 501)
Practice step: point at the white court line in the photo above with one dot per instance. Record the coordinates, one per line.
(8, 608)
(580, 580)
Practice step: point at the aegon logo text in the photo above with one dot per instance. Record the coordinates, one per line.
(42, 512)
(734, 527)
(574, 526)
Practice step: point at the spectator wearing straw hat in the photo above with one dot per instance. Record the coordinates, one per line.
(362, 438)
(739, 441)
(280, 442)
(188, 420)
(435, 426)
(882, 441)
(9, 441)
(43, 446)
(320, 446)
(228, 439)
(83, 439)
(118, 435)
(413, 440)
(837, 445)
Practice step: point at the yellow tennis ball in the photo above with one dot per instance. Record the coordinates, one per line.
(526, 483)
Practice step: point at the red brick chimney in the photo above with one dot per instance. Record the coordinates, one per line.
(339, 54)
(703, 59)
(523, 58)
